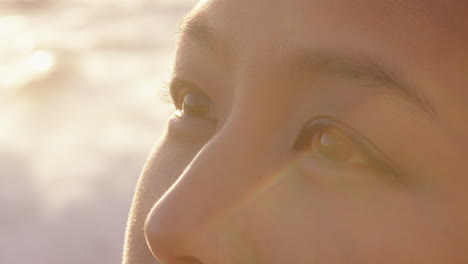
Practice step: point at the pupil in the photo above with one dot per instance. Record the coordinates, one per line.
(334, 146)
(196, 104)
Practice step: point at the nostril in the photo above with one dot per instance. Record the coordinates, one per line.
(188, 260)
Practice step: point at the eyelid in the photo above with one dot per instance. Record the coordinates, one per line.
(178, 87)
(370, 151)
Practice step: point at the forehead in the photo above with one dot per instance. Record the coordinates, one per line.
(426, 39)
(308, 19)
(449, 10)
(378, 8)
(426, 29)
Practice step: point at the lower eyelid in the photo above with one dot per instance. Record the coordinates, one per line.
(181, 128)
(325, 171)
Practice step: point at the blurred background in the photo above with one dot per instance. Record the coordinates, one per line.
(80, 109)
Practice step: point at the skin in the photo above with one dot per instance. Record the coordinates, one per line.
(231, 186)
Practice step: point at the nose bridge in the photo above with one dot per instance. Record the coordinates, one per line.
(218, 178)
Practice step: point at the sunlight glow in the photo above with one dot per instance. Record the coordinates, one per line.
(41, 61)
(24, 70)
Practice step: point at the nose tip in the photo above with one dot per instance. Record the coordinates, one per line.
(164, 233)
(178, 227)
(192, 217)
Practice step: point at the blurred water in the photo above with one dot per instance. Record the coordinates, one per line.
(79, 112)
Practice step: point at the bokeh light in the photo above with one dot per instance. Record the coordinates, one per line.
(79, 112)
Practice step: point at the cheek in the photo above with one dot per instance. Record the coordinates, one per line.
(293, 223)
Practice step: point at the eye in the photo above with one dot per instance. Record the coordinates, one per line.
(195, 119)
(196, 104)
(329, 140)
(334, 145)
(190, 101)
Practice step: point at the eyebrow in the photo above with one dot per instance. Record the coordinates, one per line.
(370, 69)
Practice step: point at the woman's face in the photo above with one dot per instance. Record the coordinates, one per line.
(325, 131)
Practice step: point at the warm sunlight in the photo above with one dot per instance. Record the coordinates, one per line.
(79, 111)
(41, 61)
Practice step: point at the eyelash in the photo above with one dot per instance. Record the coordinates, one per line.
(165, 94)
(174, 90)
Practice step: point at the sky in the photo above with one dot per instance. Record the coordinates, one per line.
(80, 109)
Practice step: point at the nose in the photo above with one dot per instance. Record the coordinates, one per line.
(184, 226)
